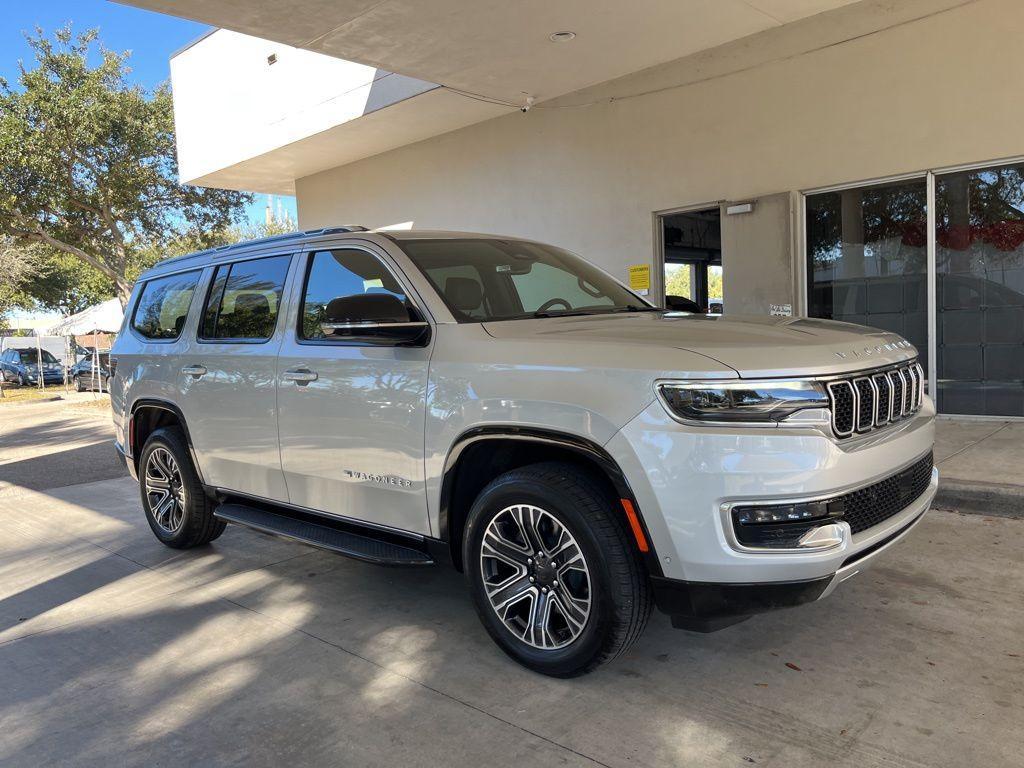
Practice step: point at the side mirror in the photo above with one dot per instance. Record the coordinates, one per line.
(372, 317)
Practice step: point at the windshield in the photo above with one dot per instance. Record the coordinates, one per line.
(31, 356)
(488, 279)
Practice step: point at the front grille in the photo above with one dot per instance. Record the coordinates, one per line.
(867, 401)
(876, 503)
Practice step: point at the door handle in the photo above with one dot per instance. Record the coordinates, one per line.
(300, 376)
(194, 370)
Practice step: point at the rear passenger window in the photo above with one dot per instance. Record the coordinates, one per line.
(163, 305)
(244, 299)
(337, 275)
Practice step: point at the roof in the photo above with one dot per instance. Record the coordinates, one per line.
(201, 258)
(246, 245)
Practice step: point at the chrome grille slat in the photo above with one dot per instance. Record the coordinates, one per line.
(868, 400)
(883, 412)
(843, 397)
(866, 405)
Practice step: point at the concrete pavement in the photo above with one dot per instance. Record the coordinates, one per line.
(115, 650)
(980, 463)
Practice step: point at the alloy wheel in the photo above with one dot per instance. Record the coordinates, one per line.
(535, 577)
(164, 490)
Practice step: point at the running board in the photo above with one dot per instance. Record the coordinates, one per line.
(323, 535)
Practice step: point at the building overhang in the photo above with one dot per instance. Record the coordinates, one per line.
(286, 90)
(500, 49)
(255, 115)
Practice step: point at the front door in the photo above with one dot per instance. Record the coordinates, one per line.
(351, 413)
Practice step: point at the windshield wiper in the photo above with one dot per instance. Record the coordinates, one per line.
(637, 308)
(566, 313)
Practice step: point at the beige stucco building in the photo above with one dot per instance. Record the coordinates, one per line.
(853, 160)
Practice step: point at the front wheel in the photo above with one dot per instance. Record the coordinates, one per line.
(177, 508)
(554, 576)
(79, 386)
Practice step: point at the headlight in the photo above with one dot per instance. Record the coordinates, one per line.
(753, 402)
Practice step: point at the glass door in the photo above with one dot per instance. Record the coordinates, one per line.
(979, 261)
(867, 258)
(692, 255)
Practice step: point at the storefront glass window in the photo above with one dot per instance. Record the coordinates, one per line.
(867, 251)
(979, 249)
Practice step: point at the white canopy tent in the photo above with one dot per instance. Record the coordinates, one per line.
(105, 317)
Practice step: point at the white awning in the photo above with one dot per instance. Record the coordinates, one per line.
(105, 317)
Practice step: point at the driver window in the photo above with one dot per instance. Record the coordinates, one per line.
(341, 274)
(543, 283)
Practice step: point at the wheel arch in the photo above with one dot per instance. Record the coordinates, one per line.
(480, 454)
(150, 414)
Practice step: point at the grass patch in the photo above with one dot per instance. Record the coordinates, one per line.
(13, 394)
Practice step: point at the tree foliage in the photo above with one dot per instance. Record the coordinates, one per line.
(18, 266)
(88, 165)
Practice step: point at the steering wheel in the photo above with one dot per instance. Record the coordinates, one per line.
(551, 302)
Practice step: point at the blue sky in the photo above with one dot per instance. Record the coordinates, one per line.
(151, 38)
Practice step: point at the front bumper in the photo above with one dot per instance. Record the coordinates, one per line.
(706, 607)
(48, 378)
(685, 479)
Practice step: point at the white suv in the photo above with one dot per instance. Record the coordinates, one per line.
(417, 397)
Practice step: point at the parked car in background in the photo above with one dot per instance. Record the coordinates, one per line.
(412, 398)
(22, 366)
(86, 374)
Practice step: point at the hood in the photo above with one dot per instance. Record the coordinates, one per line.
(753, 346)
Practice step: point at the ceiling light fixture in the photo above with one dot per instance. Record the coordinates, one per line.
(561, 37)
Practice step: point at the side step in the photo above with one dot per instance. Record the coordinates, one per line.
(325, 535)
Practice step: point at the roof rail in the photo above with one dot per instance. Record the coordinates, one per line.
(263, 240)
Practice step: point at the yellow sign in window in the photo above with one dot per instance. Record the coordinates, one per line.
(640, 278)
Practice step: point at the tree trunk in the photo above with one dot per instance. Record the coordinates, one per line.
(124, 291)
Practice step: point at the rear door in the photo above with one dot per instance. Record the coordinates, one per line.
(352, 413)
(227, 376)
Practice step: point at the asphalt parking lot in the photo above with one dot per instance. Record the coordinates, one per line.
(256, 651)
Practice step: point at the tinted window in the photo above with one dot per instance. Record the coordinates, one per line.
(163, 305)
(244, 299)
(30, 356)
(337, 274)
(496, 279)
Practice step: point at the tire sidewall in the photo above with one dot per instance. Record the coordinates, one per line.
(78, 384)
(563, 661)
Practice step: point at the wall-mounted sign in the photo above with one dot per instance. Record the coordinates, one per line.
(782, 310)
(640, 278)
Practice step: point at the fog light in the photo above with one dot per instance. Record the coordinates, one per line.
(788, 526)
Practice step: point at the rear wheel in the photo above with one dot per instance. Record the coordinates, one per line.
(553, 574)
(177, 508)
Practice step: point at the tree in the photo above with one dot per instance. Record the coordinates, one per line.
(88, 165)
(63, 283)
(18, 265)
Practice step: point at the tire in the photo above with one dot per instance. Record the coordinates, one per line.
(188, 521)
(79, 387)
(548, 497)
